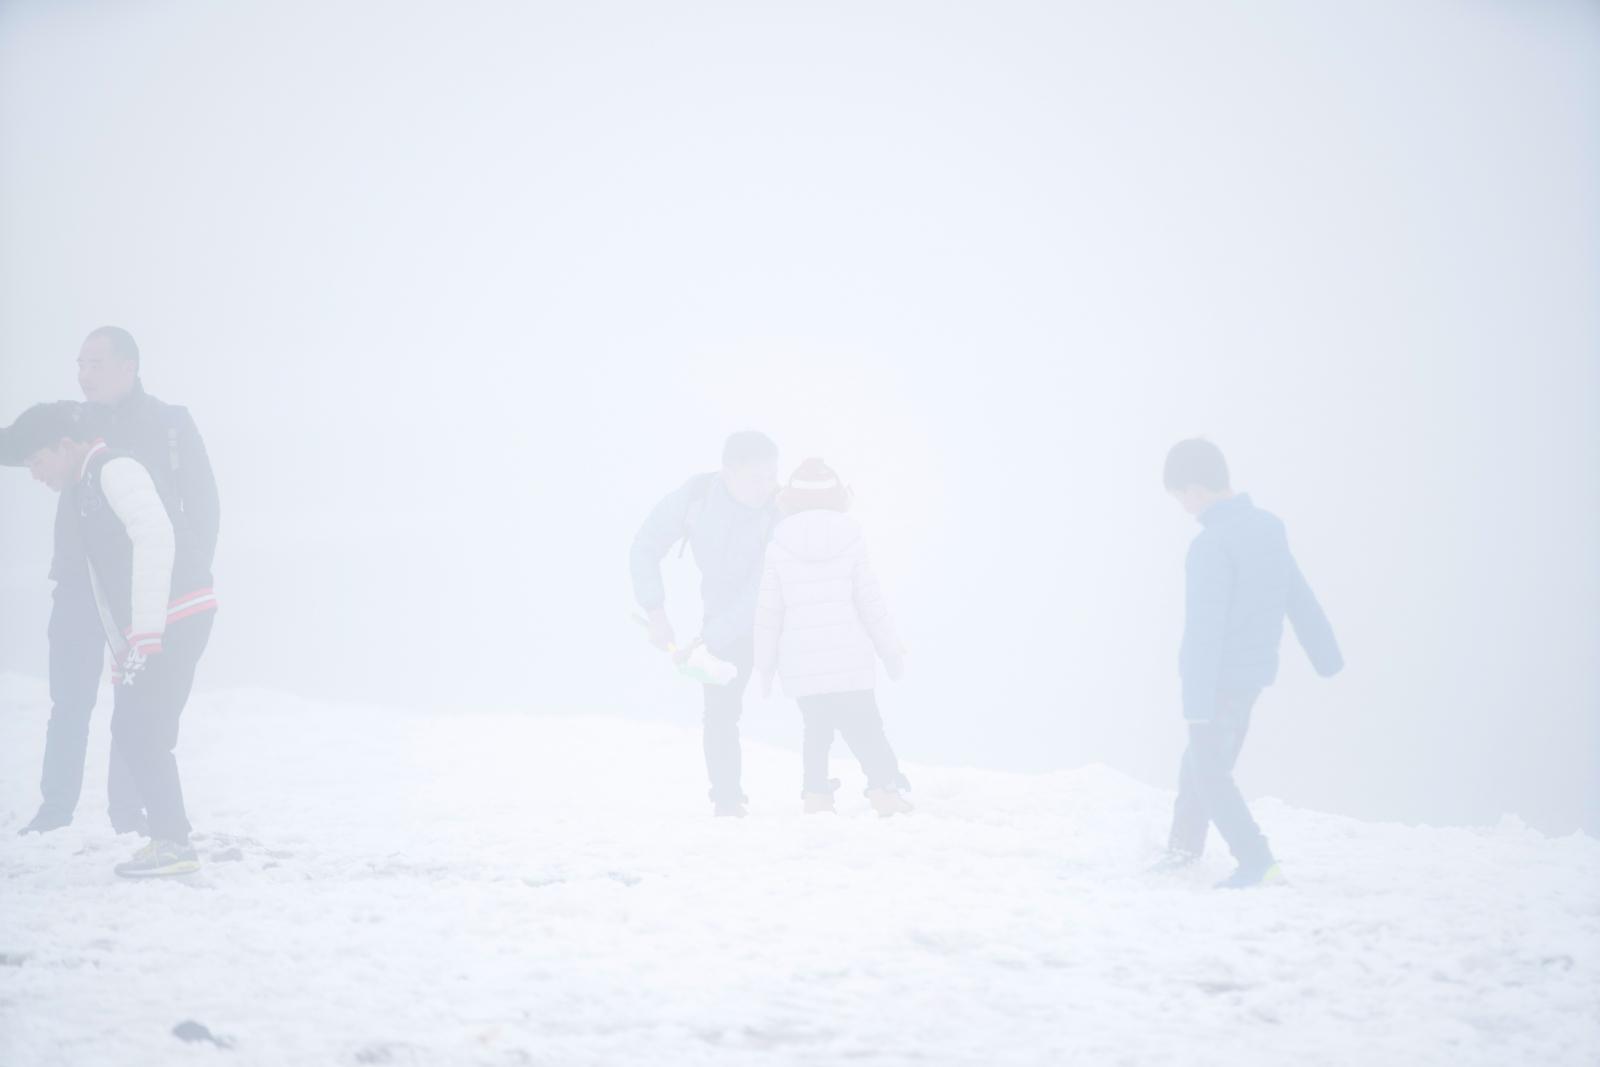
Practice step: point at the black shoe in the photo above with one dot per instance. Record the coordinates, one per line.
(160, 859)
(44, 822)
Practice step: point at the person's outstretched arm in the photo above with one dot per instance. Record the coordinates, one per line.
(1311, 626)
(769, 622)
(665, 526)
(1208, 578)
(873, 607)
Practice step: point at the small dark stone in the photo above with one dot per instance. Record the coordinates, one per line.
(191, 1031)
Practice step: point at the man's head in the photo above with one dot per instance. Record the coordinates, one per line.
(108, 365)
(750, 468)
(1196, 475)
(53, 439)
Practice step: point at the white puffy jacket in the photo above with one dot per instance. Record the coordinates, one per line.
(821, 619)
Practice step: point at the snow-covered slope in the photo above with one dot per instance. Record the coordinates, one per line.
(386, 887)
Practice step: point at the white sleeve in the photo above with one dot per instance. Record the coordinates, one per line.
(132, 495)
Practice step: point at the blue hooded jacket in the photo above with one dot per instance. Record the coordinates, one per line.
(1241, 581)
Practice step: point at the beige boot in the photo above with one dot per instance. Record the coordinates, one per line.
(819, 802)
(888, 802)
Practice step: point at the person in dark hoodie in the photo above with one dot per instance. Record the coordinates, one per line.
(725, 517)
(164, 439)
(152, 594)
(1241, 582)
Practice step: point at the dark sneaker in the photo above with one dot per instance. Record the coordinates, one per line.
(160, 859)
(44, 822)
(729, 810)
(1254, 877)
(1173, 859)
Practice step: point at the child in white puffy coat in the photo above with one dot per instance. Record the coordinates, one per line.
(821, 625)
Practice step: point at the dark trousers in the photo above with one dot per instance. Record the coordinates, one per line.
(77, 658)
(854, 715)
(720, 726)
(1206, 790)
(144, 724)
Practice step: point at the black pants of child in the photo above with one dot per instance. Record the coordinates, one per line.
(77, 660)
(855, 715)
(144, 724)
(720, 726)
(1206, 790)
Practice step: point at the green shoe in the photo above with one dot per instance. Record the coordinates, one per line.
(160, 859)
(1254, 877)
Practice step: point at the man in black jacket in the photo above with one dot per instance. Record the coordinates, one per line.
(163, 438)
(152, 593)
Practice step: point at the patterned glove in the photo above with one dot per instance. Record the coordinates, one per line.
(140, 648)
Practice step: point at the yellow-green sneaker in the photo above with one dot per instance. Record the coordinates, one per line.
(1254, 877)
(160, 859)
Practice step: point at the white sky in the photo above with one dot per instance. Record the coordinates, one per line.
(456, 291)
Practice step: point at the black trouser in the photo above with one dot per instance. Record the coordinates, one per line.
(855, 715)
(1206, 790)
(77, 658)
(144, 723)
(724, 705)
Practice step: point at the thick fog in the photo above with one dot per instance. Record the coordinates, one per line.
(457, 292)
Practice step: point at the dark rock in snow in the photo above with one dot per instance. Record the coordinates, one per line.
(191, 1031)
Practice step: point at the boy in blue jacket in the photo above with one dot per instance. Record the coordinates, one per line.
(1241, 582)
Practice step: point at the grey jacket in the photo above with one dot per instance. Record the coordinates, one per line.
(728, 540)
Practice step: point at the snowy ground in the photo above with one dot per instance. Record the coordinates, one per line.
(393, 888)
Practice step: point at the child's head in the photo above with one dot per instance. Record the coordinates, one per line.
(1196, 474)
(750, 468)
(53, 438)
(814, 487)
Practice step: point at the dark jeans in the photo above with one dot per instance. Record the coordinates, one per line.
(144, 723)
(1206, 790)
(724, 705)
(855, 715)
(77, 658)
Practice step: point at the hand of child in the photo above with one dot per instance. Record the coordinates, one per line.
(136, 659)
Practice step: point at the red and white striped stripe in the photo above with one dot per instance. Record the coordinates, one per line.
(195, 603)
(144, 644)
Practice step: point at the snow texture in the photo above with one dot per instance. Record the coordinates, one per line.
(391, 887)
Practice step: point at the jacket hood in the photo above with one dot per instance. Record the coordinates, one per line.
(818, 534)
